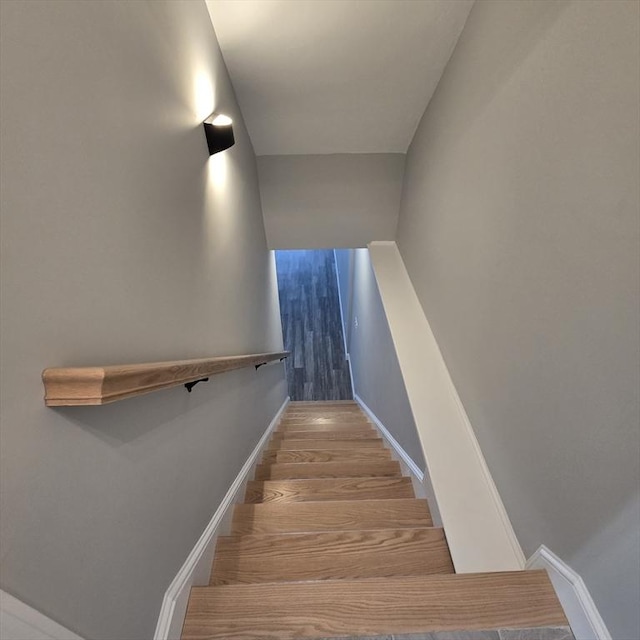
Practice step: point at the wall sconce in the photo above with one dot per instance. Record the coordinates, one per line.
(219, 131)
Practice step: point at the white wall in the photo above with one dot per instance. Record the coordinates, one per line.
(329, 201)
(122, 242)
(519, 229)
(377, 377)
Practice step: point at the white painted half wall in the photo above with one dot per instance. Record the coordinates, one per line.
(330, 201)
(377, 377)
(478, 530)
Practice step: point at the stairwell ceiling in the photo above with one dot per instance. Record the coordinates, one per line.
(335, 76)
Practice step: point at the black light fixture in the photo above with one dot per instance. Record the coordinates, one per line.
(219, 131)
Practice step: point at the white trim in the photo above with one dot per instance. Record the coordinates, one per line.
(414, 469)
(197, 566)
(344, 326)
(480, 535)
(19, 621)
(510, 534)
(353, 382)
(582, 613)
(420, 479)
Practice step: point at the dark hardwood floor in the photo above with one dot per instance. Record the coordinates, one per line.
(310, 310)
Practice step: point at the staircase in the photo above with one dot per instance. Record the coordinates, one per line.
(331, 542)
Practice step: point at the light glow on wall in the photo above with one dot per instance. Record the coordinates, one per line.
(219, 224)
(217, 169)
(204, 95)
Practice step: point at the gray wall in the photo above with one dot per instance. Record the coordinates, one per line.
(377, 377)
(328, 201)
(122, 242)
(344, 271)
(519, 228)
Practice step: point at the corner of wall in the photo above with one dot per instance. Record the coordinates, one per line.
(579, 607)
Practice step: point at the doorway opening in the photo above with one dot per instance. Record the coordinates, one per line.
(312, 326)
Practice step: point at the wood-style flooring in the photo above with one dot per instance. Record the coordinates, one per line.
(334, 544)
(317, 368)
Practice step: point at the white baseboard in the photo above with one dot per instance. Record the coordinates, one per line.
(413, 468)
(420, 479)
(195, 571)
(353, 383)
(19, 621)
(344, 326)
(584, 618)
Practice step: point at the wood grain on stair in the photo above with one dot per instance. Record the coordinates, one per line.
(320, 489)
(293, 470)
(324, 415)
(326, 455)
(331, 542)
(327, 411)
(329, 516)
(322, 404)
(324, 428)
(291, 444)
(373, 606)
(367, 434)
(323, 418)
(332, 555)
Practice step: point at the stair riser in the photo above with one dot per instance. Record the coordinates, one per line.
(328, 489)
(291, 444)
(329, 516)
(327, 454)
(320, 420)
(333, 427)
(347, 555)
(292, 471)
(325, 435)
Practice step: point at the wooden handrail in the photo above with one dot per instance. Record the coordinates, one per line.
(77, 386)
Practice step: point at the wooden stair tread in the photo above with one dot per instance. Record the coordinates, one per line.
(332, 542)
(317, 489)
(516, 599)
(325, 428)
(338, 418)
(328, 454)
(368, 434)
(330, 555)
(322, 418)
(300, 470)
(299, 517)
(334, 416)
(291, 444)
(323, 403)
(324, 411)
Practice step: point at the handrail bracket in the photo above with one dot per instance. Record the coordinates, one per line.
(189, 385)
